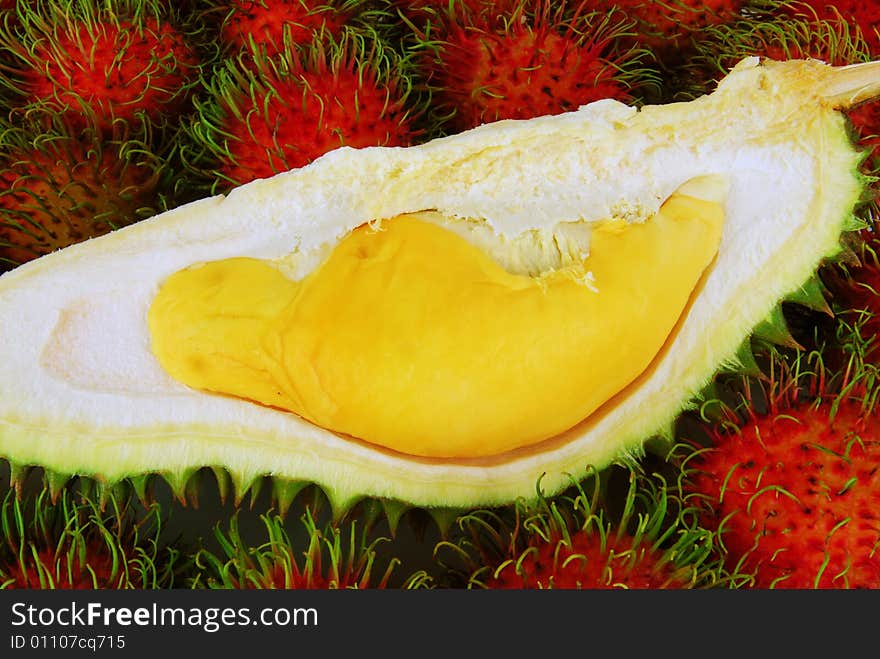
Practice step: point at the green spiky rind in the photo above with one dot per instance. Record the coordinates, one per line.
(652, 514)
(813, 295)
(722, 46)
(40, 23)
(633, 66)
(856, 320)
(62, 150)
(774, 330)
(333, 557)
(188, 485)
(343, 495)
(393, 512)
(240, 84)
(743, 361)
(58, 539)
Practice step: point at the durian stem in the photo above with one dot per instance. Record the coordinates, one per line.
(847, 86)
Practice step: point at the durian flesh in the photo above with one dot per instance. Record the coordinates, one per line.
(406, 325)
(83, 392)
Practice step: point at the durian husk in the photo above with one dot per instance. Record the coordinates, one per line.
(81, 393)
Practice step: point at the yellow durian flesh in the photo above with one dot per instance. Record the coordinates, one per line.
(410, 337)
(81, 391)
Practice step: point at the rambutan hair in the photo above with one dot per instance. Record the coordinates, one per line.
(860, 17)
(588, 540)
(61, 187)
(273, 26)
(71, 541)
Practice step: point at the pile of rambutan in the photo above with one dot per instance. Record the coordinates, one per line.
(114, 111)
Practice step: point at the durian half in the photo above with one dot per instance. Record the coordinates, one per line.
(443, 324)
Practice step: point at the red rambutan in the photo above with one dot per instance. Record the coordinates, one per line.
(573, 543)
(539, 58)
(420, 12)
(122, 61)
(57, 189)
(73, 543)
(265, 115)
(860, 15)
(794, 490)
(668, 26)
(273, 25)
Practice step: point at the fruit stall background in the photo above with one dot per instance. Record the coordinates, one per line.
(115, 111)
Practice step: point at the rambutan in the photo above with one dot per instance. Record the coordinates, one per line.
(264, 115)
(121, 61)
(330, 558)
(790, 480)
(273, 25)
(75, 543)
(422, 12)
(670, 26)
(539, 58)
(57, 189)
(577, 543)
(859, 15)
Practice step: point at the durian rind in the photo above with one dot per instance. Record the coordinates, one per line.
(80, 392)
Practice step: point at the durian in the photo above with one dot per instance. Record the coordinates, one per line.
(444, 325)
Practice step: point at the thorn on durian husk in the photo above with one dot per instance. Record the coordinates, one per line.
(55, 482)
(664, 438)
(374, 510)
(444, 518)
(179, 482)
(709, 400)
(774, 330)
(285, 492)
(18, 475)
(743, 361)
